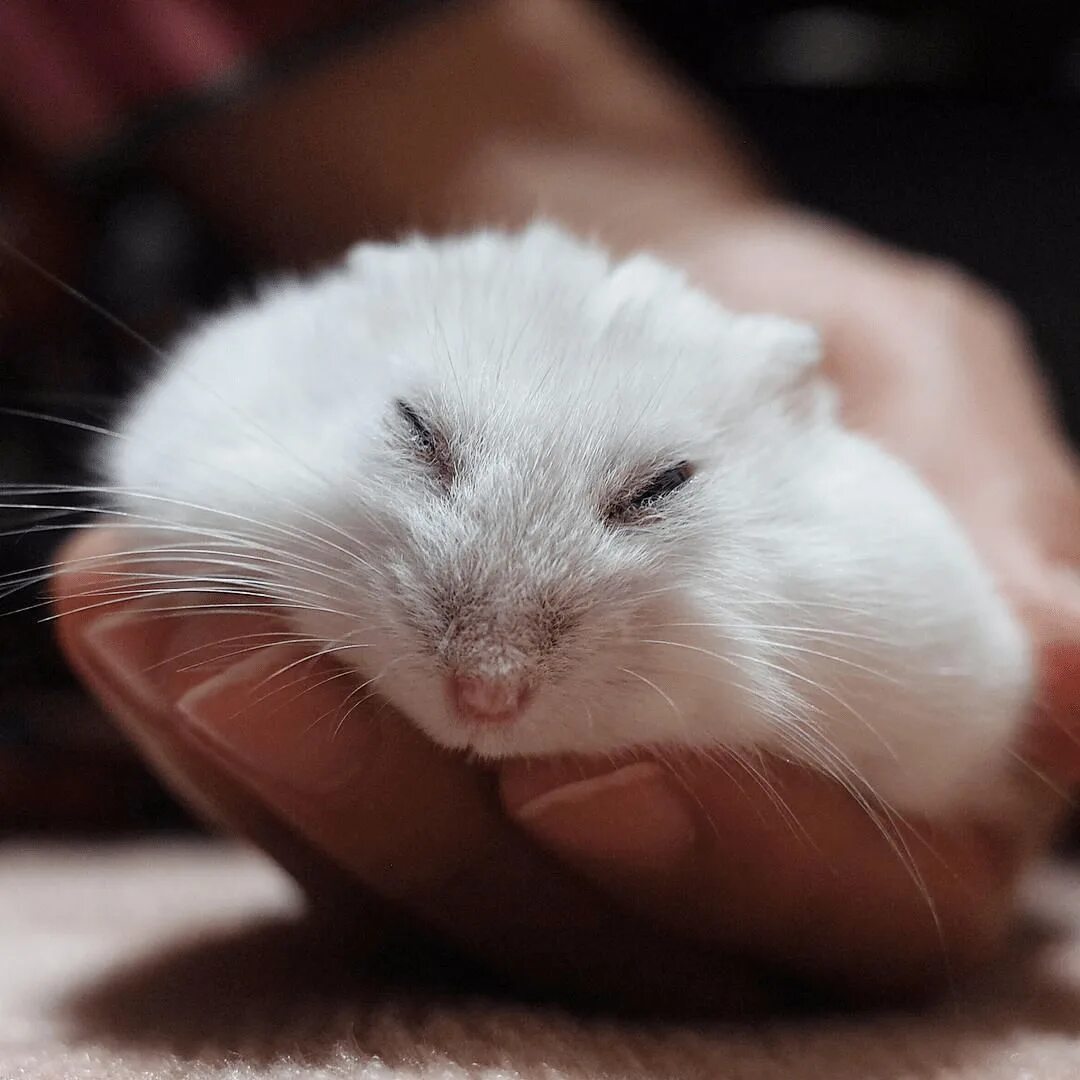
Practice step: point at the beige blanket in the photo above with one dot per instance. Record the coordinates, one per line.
(183, 959)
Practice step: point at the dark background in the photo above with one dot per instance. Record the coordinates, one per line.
(953, 129)
(949, 128)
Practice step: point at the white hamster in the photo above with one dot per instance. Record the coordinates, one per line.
(550, 502)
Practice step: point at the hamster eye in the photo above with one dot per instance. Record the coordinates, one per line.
(635, 506)
(430, 446)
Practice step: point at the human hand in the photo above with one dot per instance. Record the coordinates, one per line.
(663, 871)
(382, 828)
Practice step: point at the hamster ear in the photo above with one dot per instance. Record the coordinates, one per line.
(789, 350)
(389, 266)
(785, 357)
(371, 254)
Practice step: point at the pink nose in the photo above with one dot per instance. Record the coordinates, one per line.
(490, 701)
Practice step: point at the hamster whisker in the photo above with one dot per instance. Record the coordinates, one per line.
(846, 607)
(60, 421)
(447, 354)
(243, 554)
(295, 597)
(119, 520)
(341, 673)
(115, 597)
(254, 564)
(164, 555)
(823, 754)
(121, 582)
(286, 668)
(349, 710)
(277, 637)
(179, 611)
(802, 650)
(761, 777)
(307, 639)
(767, 699)
(813, 631)
(796, 733)
(678, 770)
(852, 640)
(1065, 794)
(732, 660)
(106, 432)
(297, 680)
(353, 701)
(665, 696)
(817, 749)
(356, 706)
(590, 719)
(210, 582)
(303, 511)
(300, 535)
(92, 305)
(821, 688)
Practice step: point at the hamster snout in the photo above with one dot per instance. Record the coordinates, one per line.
(495, 647)
(488, 700)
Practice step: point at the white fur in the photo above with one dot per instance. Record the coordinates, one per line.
(814, 598)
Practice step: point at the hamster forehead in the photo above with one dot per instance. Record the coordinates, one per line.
(543, 352)
(585, 432)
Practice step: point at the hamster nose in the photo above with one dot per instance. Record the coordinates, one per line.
(488, 701)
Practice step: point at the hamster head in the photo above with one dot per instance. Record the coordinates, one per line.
(514, 455)
(545, 502)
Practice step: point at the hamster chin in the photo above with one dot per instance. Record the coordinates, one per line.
(546, 502)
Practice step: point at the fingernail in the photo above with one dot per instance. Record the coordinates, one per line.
(277, 716)
(154, 650)
(634, 818)
(274, 716)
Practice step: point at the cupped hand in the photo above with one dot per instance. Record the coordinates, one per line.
(684, 884)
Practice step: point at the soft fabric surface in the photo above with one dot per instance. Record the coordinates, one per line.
(175, 959)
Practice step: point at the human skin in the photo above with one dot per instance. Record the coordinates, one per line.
(643, 883)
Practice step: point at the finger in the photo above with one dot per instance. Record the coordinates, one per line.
(1052, 740)
(271, 729)
(804, 877)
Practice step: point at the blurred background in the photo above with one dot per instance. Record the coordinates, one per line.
(953, 128)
